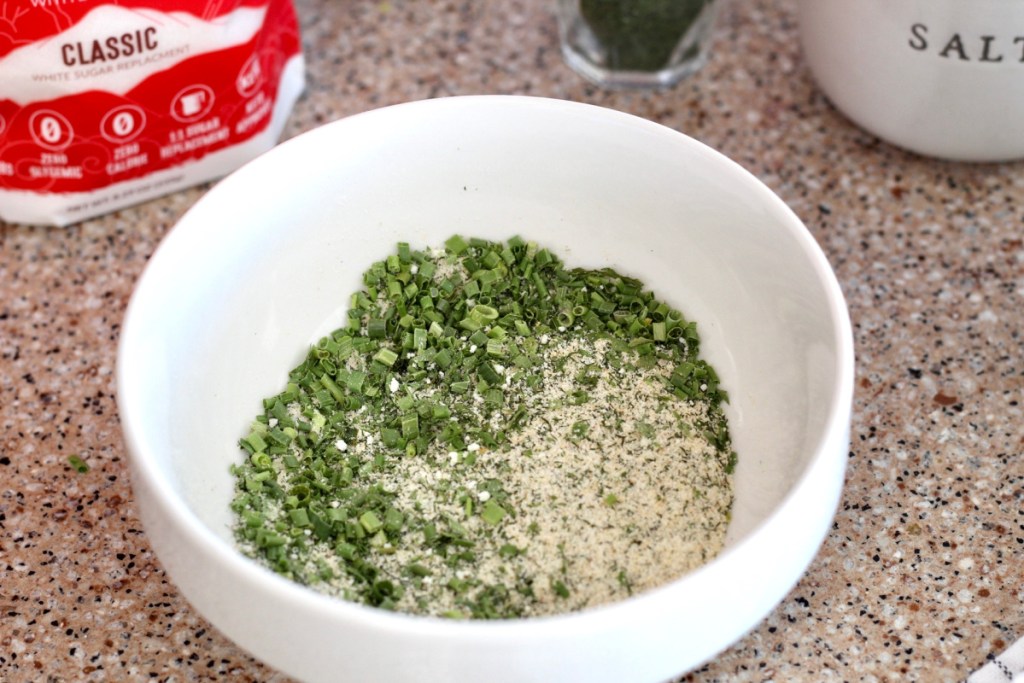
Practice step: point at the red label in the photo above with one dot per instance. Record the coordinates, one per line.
(95, 93)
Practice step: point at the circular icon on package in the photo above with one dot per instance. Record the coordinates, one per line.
(122, 124)
(250, 78)
(50, 129)
(192, 103)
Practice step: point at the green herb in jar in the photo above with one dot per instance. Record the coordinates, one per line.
(640, 35)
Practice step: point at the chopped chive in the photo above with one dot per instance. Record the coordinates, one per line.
(492, 513)
(370, 522)
(332, 388)
(443, 358)
(386, 357)
(355, 381)
(579, 429)
(410, 426)
(416, 569)
(299, 517)
(254, 440)
(376, 329)
(489, 374)
(456, 245)
(495, 348)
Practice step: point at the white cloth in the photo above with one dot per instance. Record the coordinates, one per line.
(1006, 668)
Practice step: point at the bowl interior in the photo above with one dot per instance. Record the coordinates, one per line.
(263, 266)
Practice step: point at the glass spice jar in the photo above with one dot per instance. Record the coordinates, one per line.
(636, 43)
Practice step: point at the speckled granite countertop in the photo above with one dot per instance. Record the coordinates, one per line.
(922, 576)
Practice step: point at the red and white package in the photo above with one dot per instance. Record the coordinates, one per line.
(107, 103)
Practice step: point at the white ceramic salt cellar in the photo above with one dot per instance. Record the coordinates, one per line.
(943, 78)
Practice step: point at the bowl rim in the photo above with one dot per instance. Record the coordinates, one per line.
(145, 468)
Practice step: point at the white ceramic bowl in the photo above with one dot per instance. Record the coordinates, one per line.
(263, 264)
(937, 77)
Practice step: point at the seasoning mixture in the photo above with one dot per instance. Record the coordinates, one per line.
(491, 435)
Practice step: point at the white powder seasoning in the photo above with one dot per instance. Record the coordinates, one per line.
(639, 499)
